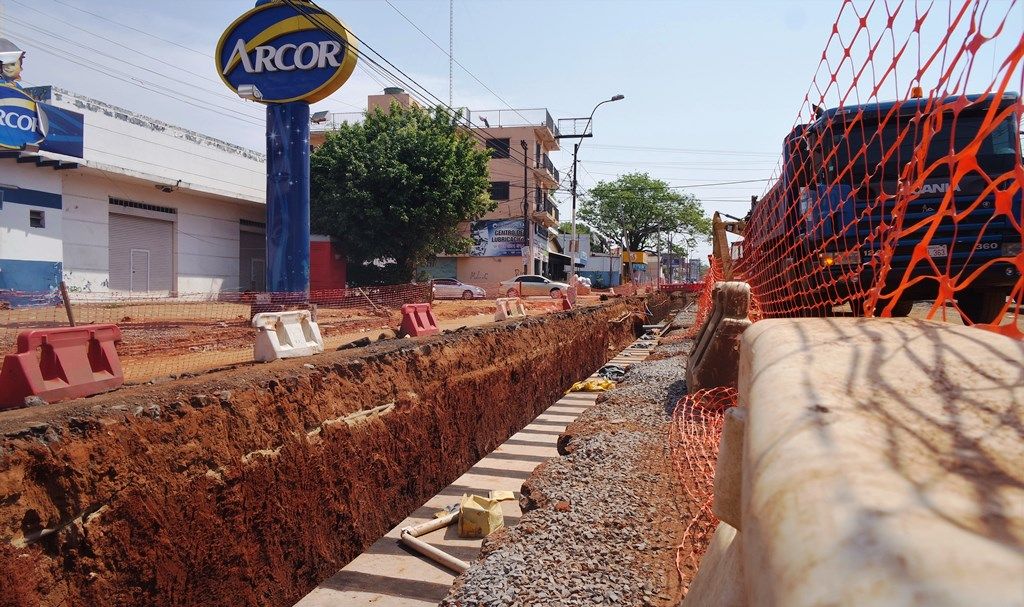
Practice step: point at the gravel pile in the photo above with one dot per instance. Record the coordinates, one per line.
(601, 524)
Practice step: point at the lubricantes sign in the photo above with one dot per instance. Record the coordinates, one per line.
(289, 50)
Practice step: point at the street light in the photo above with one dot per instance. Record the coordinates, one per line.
(574, 244)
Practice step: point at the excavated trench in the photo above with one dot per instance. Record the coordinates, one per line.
(249, 486)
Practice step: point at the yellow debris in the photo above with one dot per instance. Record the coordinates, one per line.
(594, 384)
(501, 496)
(479, 516)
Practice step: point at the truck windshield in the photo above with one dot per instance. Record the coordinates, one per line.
(997, 154)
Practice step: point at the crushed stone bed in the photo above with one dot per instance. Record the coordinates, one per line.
(601, 524)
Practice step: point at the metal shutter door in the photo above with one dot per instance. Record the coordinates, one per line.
(251, 248)
(128, 232)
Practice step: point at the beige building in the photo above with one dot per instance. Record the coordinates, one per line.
(523, 179)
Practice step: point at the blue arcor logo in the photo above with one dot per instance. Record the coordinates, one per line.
(20, 122)
(288, 51)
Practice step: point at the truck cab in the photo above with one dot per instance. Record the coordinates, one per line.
(855, 205)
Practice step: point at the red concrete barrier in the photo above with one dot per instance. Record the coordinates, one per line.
(417, 320)
(56, 364)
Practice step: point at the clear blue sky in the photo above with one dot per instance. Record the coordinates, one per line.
(722, 80)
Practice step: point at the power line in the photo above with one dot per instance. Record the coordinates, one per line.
(683, 167)
(93, 125)
(156, 164)
(135, 29)
(144, 84)
(451, 58)
(206, 54)
(693, 185)
(427, 97)
(115, 42)
(687, 150)
(160, 74)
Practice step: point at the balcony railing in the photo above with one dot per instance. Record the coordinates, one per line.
(335, 119)
(547, 205)
(550, 167)
(536, 117)
(507, 118)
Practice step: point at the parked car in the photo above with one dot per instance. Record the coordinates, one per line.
(449, 288)
(531, 284)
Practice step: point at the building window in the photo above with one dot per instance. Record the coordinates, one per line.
(36, 219)
(499, 190)
(499, 148)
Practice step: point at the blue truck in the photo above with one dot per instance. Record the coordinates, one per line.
(827, 222)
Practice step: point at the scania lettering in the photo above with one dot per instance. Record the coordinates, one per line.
(830, 216)
(936, 188)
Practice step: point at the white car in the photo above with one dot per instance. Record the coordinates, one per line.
(532, 284)
(449, 288)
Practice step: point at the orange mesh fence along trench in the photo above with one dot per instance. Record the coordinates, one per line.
(713, 275)
(899, 188)
(899, 192)
(694, 435)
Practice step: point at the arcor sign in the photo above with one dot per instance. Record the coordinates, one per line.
(289, 50)
(286, 54)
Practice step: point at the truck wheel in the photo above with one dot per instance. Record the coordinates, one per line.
(982, 306)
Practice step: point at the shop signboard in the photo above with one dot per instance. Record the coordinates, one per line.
(497, 237)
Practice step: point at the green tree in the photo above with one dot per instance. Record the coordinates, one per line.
(394, 188)
(634, 208)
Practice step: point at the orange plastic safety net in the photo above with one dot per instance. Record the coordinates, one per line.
(695, 432)
(900, 185)
(713, 275)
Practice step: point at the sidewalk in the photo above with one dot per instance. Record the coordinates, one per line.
(389, 575)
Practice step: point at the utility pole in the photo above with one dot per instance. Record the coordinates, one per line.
(574, 244)
(527, 224)
(670, 255)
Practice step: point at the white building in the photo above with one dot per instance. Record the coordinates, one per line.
(151, 208)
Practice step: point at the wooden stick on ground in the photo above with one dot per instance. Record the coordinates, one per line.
(67, 302)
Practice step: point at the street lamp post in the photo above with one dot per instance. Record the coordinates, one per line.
(574, 244)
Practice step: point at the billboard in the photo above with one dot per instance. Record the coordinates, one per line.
(285, 51)
(497, 237)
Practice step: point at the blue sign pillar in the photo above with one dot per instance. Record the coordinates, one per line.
(287, 55)
(288, 197)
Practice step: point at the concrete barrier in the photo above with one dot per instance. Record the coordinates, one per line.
(714, 360)
(285, 335)
(881, 466)
(61, 363)
(508, 307)
(418, 320)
